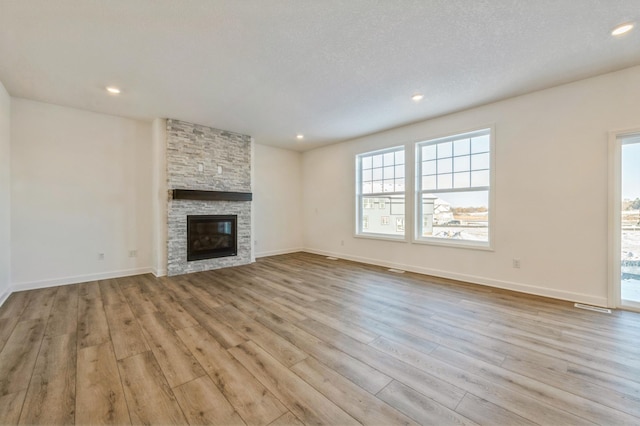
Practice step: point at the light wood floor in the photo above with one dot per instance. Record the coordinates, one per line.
(301, 339)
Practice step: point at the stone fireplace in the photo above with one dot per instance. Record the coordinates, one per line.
(209, 206)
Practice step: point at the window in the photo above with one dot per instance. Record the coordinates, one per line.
(453, 186)
(380, 175)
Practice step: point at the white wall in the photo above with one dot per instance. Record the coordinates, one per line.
(551, 191)
(81, 185)
(276, 200)
(5, 193)
(159, 196)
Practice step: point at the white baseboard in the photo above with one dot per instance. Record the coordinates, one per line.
(474, 279)
(507, 285)
(159, 272)
(4, 296)
(277, 252)
(33, 285)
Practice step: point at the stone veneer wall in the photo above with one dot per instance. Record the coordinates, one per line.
(188, 146)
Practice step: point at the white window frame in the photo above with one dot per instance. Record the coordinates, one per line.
(418, 204)
(363, 232)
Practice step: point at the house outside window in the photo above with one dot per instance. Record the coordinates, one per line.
(454, 176)
(380, 175)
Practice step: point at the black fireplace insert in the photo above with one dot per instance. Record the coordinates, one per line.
(211, 236)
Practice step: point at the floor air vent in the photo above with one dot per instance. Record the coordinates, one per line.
(592, 308)
(397, 271)
(332, 258)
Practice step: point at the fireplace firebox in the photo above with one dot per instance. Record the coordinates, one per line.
(211, 236)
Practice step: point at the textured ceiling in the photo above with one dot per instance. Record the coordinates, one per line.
(331, 69)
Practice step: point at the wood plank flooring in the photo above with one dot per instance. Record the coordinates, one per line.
(299, 339)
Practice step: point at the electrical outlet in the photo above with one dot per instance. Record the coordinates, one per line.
(341, 242)
(516, 263)
(100, 256)
(133, 253)
(255, 242)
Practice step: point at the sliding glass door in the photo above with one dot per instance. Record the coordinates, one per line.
(629, 220)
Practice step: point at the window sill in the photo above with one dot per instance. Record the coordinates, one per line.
(382, 237)
(472, 245)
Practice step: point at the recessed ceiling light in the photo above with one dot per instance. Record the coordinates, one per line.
(113, 90)
(621, 29)
(299, 136)
(417, 97)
